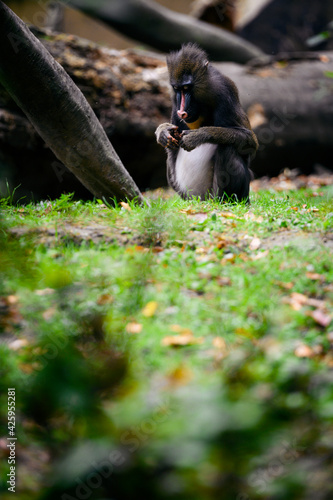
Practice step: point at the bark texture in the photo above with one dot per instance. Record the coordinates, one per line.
(58, 111)
(166, 30)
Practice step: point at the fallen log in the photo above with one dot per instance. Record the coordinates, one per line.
(164, 29)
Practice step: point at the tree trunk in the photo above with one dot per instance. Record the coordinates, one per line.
(165, 30)
(59, 112)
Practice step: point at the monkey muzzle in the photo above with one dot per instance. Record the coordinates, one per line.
(181, 111)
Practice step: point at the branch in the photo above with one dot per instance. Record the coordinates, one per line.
(166, 30)
(59, 111)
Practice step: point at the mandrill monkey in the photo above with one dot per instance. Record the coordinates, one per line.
(210, 142)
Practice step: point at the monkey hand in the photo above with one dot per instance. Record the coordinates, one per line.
(189, 140)
(168, 136)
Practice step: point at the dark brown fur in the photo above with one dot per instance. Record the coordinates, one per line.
(212, 104)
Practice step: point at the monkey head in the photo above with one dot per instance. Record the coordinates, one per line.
(188, 72)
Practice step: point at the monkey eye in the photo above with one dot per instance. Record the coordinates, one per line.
(186, 87)
(175, 88)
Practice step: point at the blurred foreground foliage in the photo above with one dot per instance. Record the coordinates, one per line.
(90, 426)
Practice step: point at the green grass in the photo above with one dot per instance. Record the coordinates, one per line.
(201, 421)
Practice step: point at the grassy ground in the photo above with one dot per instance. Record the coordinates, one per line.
(181, 350)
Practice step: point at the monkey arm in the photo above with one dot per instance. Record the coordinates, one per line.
(167, 135)
(244, 140)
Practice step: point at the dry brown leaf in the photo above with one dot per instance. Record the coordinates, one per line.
(223, 281)
(18, 344)
(320, 317)
(181, 329)
(179, 376)
(126, 206)
(223, 242)
(105, 299)
(260, 255)
(133, 327)
(181, 340)
(158, 249)
(220, 344)
(315, 276)
(201, 250)
(287, 286)
(304, 351)
(228, 257)
(220, 350)
(188, 210)
(296, 300)
(328, 359)
(255, 244)
(49, 313)
(12, 300)
(150, 309)
(256, 114)
(227, 215)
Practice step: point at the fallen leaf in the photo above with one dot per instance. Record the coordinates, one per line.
(227, 215)
(18, 344)
(223, 281)
(287, 285)
(181, 329)
(255, 244)
(158, 249)
(260, 255)
(133, 327)
(220, 350)
(315, 276)
(179, 376)
(188, 210)
(140, 248)
(49, 313)
(256, 115)
(304, 351)
(201, 250)
(228, 257)
(126, 206)
(298, 300)
(181, 340)
(12, 300)
(105, 299)
(150, 309)
(320, 317)
(223, 242)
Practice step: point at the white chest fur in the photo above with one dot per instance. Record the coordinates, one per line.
(194, 170)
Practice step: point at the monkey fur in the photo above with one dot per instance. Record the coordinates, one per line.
(209, 141)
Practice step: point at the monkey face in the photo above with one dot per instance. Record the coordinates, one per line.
(187, 106)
